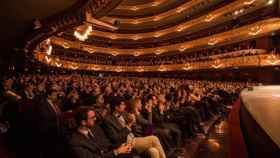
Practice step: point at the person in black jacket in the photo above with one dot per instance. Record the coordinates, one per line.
(89, 141)
(119, 128)
(48, 121)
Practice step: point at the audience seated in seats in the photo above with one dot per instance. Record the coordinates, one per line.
(89, 140)
(144, 125)
(162, 121)
(161, 113)
(119, 127)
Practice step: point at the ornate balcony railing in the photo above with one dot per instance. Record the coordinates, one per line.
(259, 60)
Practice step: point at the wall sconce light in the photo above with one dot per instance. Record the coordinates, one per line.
(83, 37)
(213, 41)
(255, 30)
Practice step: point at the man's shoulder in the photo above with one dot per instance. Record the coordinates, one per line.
(76, 139)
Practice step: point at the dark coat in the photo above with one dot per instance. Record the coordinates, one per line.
(115, 131)
(96, 147)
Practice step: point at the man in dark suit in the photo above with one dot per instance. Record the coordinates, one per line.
(48, 122)
(118, 126)
(89, 141)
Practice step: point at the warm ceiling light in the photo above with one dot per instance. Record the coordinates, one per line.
(237, 12)
(273, 59)
(159, 51)
(136, 22)
(136, 37)
(83, 37)
(65, 45)
(217, 64)
(255, 30)
(118, 69)
(209, 18)
(48, 59)
(180, 28)
(155, 4)
(180, 9)
(269, 2)
(140, 69)
(91, 51)
(156, 18)
(137, 54)
(96, 68)
(134, 8)
(49, 50)
(74, 67)
(158, 34)
(182, 49)
(249, 2)
(161, 68)
(48, 41)
(113, 37)
(115, 53)
(187, 66)
(213, 41)
(58, 64)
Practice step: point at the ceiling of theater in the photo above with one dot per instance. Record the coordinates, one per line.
(162, 27)
(20, 14)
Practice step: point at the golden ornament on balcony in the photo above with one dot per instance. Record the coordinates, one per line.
(84, 36)
(273, 59)
(255, 30)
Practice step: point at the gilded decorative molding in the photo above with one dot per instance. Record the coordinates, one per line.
(213, 18)
(259, 60)
(69, 18)
(265, 27)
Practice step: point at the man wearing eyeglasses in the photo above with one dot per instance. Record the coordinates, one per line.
(89, 141)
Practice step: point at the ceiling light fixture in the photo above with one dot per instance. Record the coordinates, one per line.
(158, 34)
(209, 18)
(180, 9)
(58, 64)
(159, 51)
(255, 30)
(180, 28)
(115, 53)
(136, 54)
(213, 41)
(161, 68)
(155, 4)
(134, 8)
(273, 59)
(83, 37)
(156, 18)
(49, 50)
(113, 37)
(74, 67)
(217, 64)
(140, 69)
(136, 22)
(65, 45)
(249, 2)
(182, 49)
(48, 59)
(269, 2)
(136, 37)
(187, 66)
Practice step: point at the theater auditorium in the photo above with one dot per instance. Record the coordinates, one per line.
(140, 79)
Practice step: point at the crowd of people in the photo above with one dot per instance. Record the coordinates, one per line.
(90, 117)
(148, 60)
